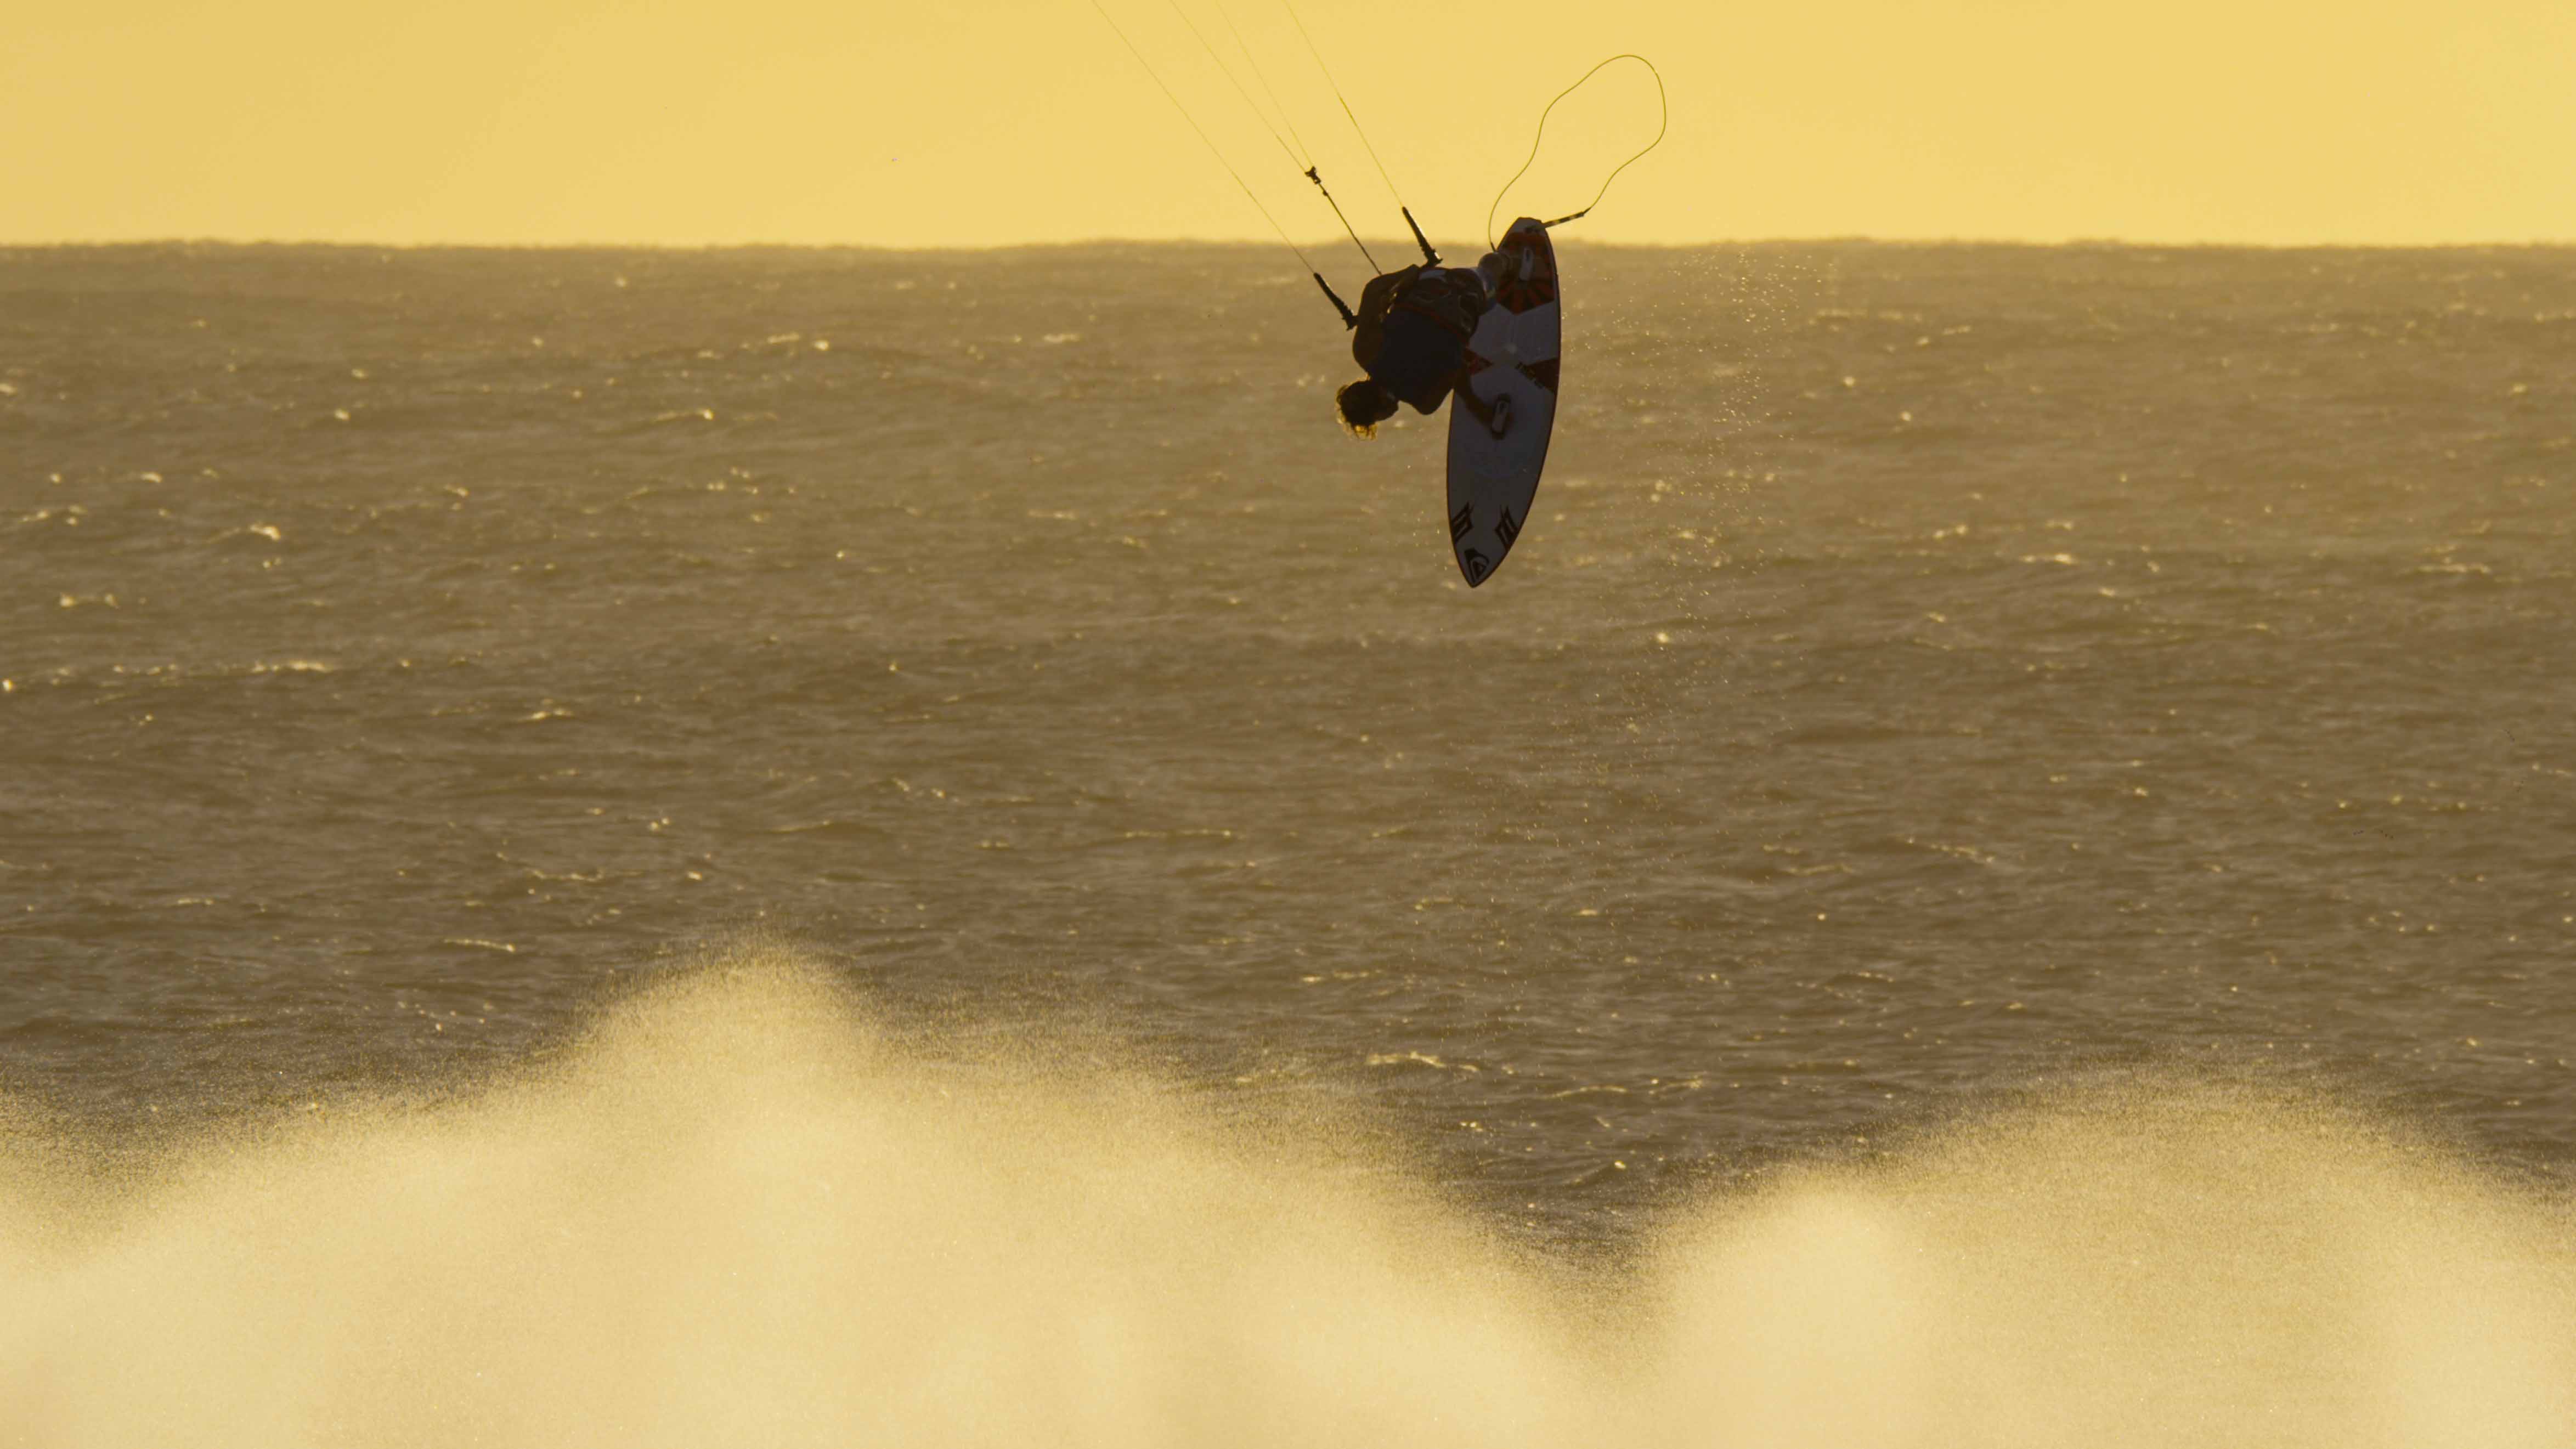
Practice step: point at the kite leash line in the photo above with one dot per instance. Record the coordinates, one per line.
(1294, 159)
(1299, 158)
(1358, 130)
(1201, 131)
(1317, 178)
(1663, 106)
(1214, 150)
(1245, 48)
(1348, 318)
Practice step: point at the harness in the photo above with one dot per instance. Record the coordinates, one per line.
(1446, 303)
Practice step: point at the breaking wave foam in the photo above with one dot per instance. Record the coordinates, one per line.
(735, 1214)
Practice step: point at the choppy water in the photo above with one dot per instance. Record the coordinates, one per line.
(2072, 745)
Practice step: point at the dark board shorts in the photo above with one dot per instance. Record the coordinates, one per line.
(1417, 358)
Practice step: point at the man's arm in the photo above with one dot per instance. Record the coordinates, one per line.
(1376, 300)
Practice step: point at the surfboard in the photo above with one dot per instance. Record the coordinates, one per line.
(1512, 355)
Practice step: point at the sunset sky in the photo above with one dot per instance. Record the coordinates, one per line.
(984, 122)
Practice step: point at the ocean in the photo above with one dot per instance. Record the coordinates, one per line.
(842, 846)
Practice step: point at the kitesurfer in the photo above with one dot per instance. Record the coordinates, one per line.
(1411, 338)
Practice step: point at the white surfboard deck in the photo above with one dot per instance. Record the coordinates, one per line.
(1513, 354)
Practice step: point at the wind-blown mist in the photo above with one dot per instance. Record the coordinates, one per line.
(735, 1213)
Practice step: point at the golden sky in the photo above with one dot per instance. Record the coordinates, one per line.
(979, 122)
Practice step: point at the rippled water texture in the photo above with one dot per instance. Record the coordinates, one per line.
(2006, 836)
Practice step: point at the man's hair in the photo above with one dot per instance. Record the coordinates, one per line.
(1364, 405)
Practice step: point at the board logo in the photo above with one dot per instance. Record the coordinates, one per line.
(1506, 528)
(1519, 297)
(1476, 566)
(1461, 521)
